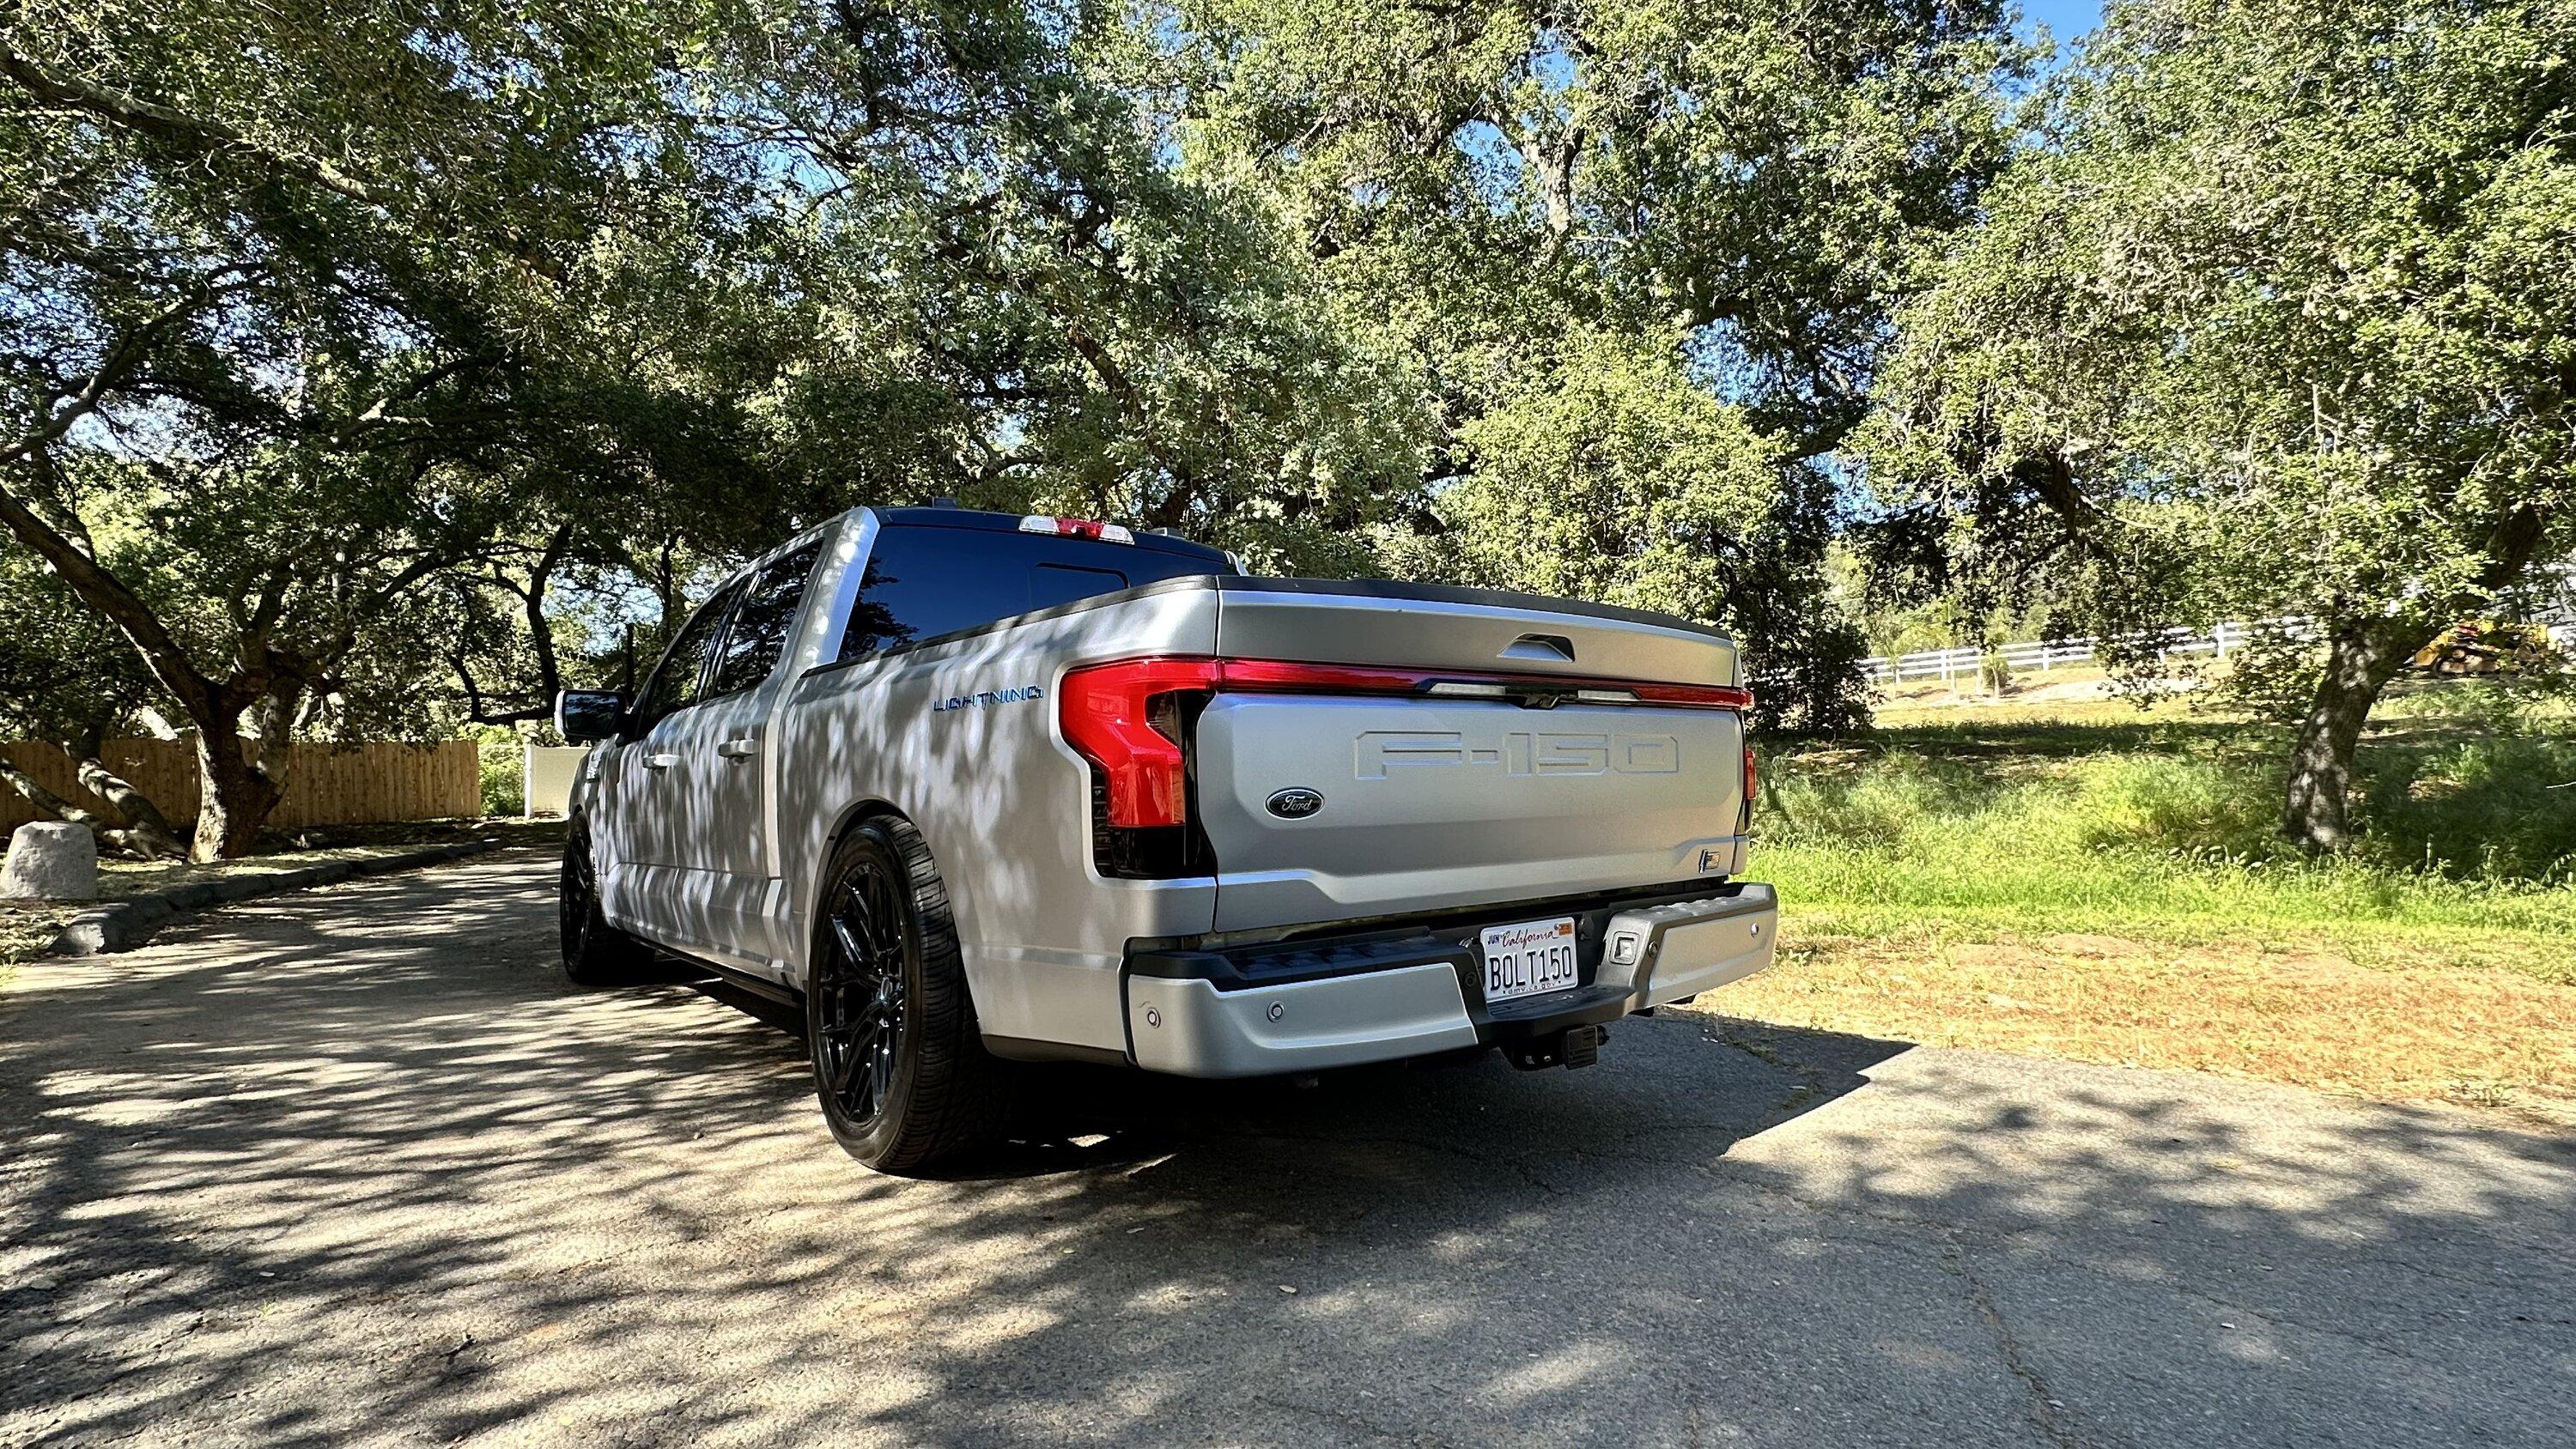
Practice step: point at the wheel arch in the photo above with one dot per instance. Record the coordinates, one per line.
(852, 816)
(810, 891)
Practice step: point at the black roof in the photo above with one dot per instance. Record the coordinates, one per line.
(944, 517)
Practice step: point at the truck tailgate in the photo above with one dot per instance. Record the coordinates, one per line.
(1444, 798)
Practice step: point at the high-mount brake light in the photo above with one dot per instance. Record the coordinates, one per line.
(1089, 528)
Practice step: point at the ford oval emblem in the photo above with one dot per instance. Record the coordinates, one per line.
(1296, 802)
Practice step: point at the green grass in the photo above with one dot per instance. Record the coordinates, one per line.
(2160, 826)
(2078, 879)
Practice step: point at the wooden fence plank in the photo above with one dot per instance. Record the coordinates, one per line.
(324, 786)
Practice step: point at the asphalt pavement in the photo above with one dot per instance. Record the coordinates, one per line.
(358, 1166)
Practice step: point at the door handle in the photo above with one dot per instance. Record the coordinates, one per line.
(660, 762)
(738, 750)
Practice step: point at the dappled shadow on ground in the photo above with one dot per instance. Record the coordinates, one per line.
(358, 1164)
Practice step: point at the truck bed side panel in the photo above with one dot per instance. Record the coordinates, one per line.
(959, 737)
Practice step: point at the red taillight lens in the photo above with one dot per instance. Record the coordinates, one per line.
(1109, 715)
(1694, 696)
(1123, 717)
(1298, 676)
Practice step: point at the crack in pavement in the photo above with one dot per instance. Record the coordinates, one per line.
(2044, 1407)
(1811, 1086)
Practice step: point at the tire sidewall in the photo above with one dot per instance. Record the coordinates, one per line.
(595, 960)
(870, 1141)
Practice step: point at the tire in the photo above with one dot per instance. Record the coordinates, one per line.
(595, 953)
(899, 1063)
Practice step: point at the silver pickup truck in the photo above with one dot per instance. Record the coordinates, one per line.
(970, 788)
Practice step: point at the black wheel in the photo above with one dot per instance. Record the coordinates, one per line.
(595, 953)
(899, 1063)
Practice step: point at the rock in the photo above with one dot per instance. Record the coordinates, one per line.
(51, 861)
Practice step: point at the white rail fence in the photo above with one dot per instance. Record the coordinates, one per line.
(2044, 655)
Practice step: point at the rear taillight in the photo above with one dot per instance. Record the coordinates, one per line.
(1298, 676)
(1128, 718)
(1125, 719)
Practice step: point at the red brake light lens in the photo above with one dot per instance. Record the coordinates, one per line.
(1298, 676)
(1108, 715)
(1693, 696)
(1090, 528)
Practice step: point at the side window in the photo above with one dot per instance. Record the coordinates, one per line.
(675, 683)
(922, 582)
(760, 623)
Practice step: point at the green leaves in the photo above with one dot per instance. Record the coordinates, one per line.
(2296, 284)
(1638, 259)
(2280, 321)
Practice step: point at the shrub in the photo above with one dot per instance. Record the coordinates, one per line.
(504, 784)
(1994, 672)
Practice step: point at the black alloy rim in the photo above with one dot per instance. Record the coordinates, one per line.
(573, 898)
(860, 1003)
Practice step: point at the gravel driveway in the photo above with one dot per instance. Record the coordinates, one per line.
(358, 1166)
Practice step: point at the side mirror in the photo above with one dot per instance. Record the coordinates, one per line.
(588, 715)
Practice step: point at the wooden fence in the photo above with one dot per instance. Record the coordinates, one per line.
(324, 786)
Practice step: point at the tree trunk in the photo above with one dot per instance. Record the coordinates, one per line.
(2361, 658)
(147, 832)
(233, 800)
(149, 835)
(46, 800)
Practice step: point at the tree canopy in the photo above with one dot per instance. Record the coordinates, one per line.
(367, 369)
(306, 300)
(1639, 258)
(2278, 319)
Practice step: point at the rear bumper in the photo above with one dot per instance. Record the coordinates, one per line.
(1386, 994)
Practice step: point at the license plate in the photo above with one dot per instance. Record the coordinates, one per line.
(1529, 958)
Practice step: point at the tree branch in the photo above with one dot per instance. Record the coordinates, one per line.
(166, 124)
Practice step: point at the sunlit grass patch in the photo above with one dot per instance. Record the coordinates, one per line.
(1933, 873)
(2306, 1017)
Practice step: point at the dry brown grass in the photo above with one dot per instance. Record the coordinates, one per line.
(2309, 1018)
(26, 929)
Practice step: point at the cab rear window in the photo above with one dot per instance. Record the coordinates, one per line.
(925, 582)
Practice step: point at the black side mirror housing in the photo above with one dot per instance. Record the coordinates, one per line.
(589, 715)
